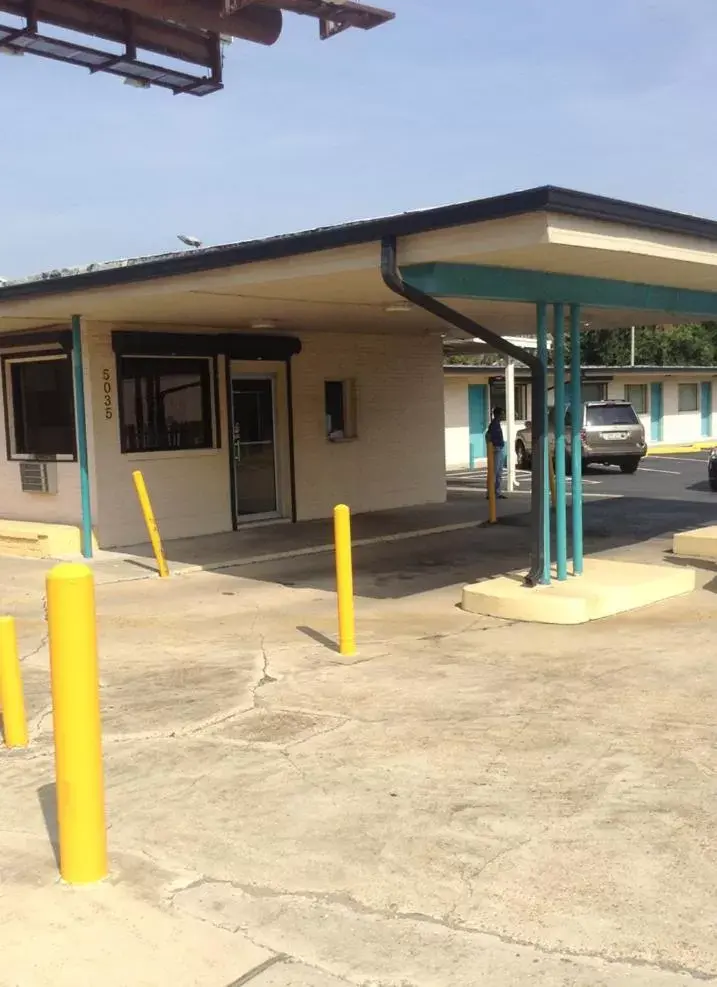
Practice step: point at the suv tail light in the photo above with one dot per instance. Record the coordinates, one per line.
(583, 435)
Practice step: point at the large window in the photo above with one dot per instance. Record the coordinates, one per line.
(636, 394)
(39, 406)
(166, 403)
(687, 397)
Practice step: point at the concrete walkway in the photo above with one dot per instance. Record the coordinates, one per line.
(466, 802)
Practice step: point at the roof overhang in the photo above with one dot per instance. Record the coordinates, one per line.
(330, 279)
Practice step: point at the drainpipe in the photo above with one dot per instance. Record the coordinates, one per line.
(538, 504)
(81, 429)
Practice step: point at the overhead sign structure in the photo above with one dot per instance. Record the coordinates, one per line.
(190, 32)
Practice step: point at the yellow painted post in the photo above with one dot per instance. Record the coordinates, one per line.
(151, 523)
(344, 580)
(12, 701)
(492, 512)
(551, 473)
(76, 722)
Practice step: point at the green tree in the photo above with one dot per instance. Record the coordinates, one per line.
(691, 344)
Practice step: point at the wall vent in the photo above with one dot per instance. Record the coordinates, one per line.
(37, 476)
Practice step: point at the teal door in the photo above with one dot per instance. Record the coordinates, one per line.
(656, 412)
(706, 407)
(477, 421)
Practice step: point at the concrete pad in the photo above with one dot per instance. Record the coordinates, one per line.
(55, 935)
(37, 540)
(290, 974)
(607, 587)
(700, 543)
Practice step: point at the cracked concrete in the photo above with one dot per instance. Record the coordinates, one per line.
(468, 802)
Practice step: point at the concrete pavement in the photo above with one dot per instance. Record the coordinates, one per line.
(465, 802)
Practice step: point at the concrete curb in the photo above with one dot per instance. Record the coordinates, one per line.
(667, 450)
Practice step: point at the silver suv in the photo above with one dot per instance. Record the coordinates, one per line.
(611, 434)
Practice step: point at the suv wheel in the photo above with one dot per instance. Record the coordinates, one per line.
(629, 466)
(522, 459)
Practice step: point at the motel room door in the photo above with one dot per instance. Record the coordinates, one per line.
(253, 413)
(477, 422)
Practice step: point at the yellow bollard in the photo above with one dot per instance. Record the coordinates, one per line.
(344, 580)
(492, 510)
(551, 475)
(76, 722)
(12, 701)
(151, 523)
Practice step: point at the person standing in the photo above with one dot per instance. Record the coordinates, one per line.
(494, 435)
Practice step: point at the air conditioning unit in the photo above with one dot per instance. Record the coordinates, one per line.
(37, 476)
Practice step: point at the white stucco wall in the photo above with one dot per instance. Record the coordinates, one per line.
(456, 423)
(678, 427)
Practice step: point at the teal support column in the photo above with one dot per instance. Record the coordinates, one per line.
(561, 503)
(542, 448)
(576, 419)
(81, 430)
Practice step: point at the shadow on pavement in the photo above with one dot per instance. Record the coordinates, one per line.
(319, 638)
(396, 570)
(47, 797)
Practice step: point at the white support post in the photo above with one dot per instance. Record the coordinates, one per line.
(510, 423)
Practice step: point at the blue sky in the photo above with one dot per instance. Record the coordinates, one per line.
(454, 100)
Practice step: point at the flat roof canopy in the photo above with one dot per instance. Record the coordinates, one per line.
(329, 279)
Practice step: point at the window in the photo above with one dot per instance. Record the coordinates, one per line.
(498, 399)
(340, 409)
(610, 414)
(40, 408)
(636, 394)
(165, 403)
(594, 391)
(687, 397)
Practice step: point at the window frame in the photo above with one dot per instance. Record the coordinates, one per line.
(645, 394)
(213, 421)
(7, 361)
(688, 411)
(350, 431)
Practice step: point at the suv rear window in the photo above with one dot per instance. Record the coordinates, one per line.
(611, 414)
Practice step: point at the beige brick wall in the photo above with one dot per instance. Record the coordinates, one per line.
(398, 457)
(396, 460)
(189, 490)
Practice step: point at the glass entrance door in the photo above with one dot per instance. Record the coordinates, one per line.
(254, 447)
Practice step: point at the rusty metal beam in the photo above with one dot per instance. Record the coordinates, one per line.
(111, 24)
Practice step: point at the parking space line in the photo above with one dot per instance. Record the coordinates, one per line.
(646, 469)
(679, 459)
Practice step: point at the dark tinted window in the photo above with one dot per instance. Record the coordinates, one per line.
(43, 408)
(611, 414)
(166, 403)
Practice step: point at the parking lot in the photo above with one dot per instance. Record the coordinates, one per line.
(680, 475)
(467, 801)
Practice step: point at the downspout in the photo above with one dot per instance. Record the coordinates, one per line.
(393, 280)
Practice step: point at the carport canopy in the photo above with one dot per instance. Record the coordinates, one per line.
(470, 252)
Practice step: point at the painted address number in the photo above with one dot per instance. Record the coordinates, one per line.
(107, 389)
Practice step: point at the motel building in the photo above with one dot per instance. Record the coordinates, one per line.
(267, 381)
(676, 405)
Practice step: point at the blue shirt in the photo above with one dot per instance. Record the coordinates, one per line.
(495, 434)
